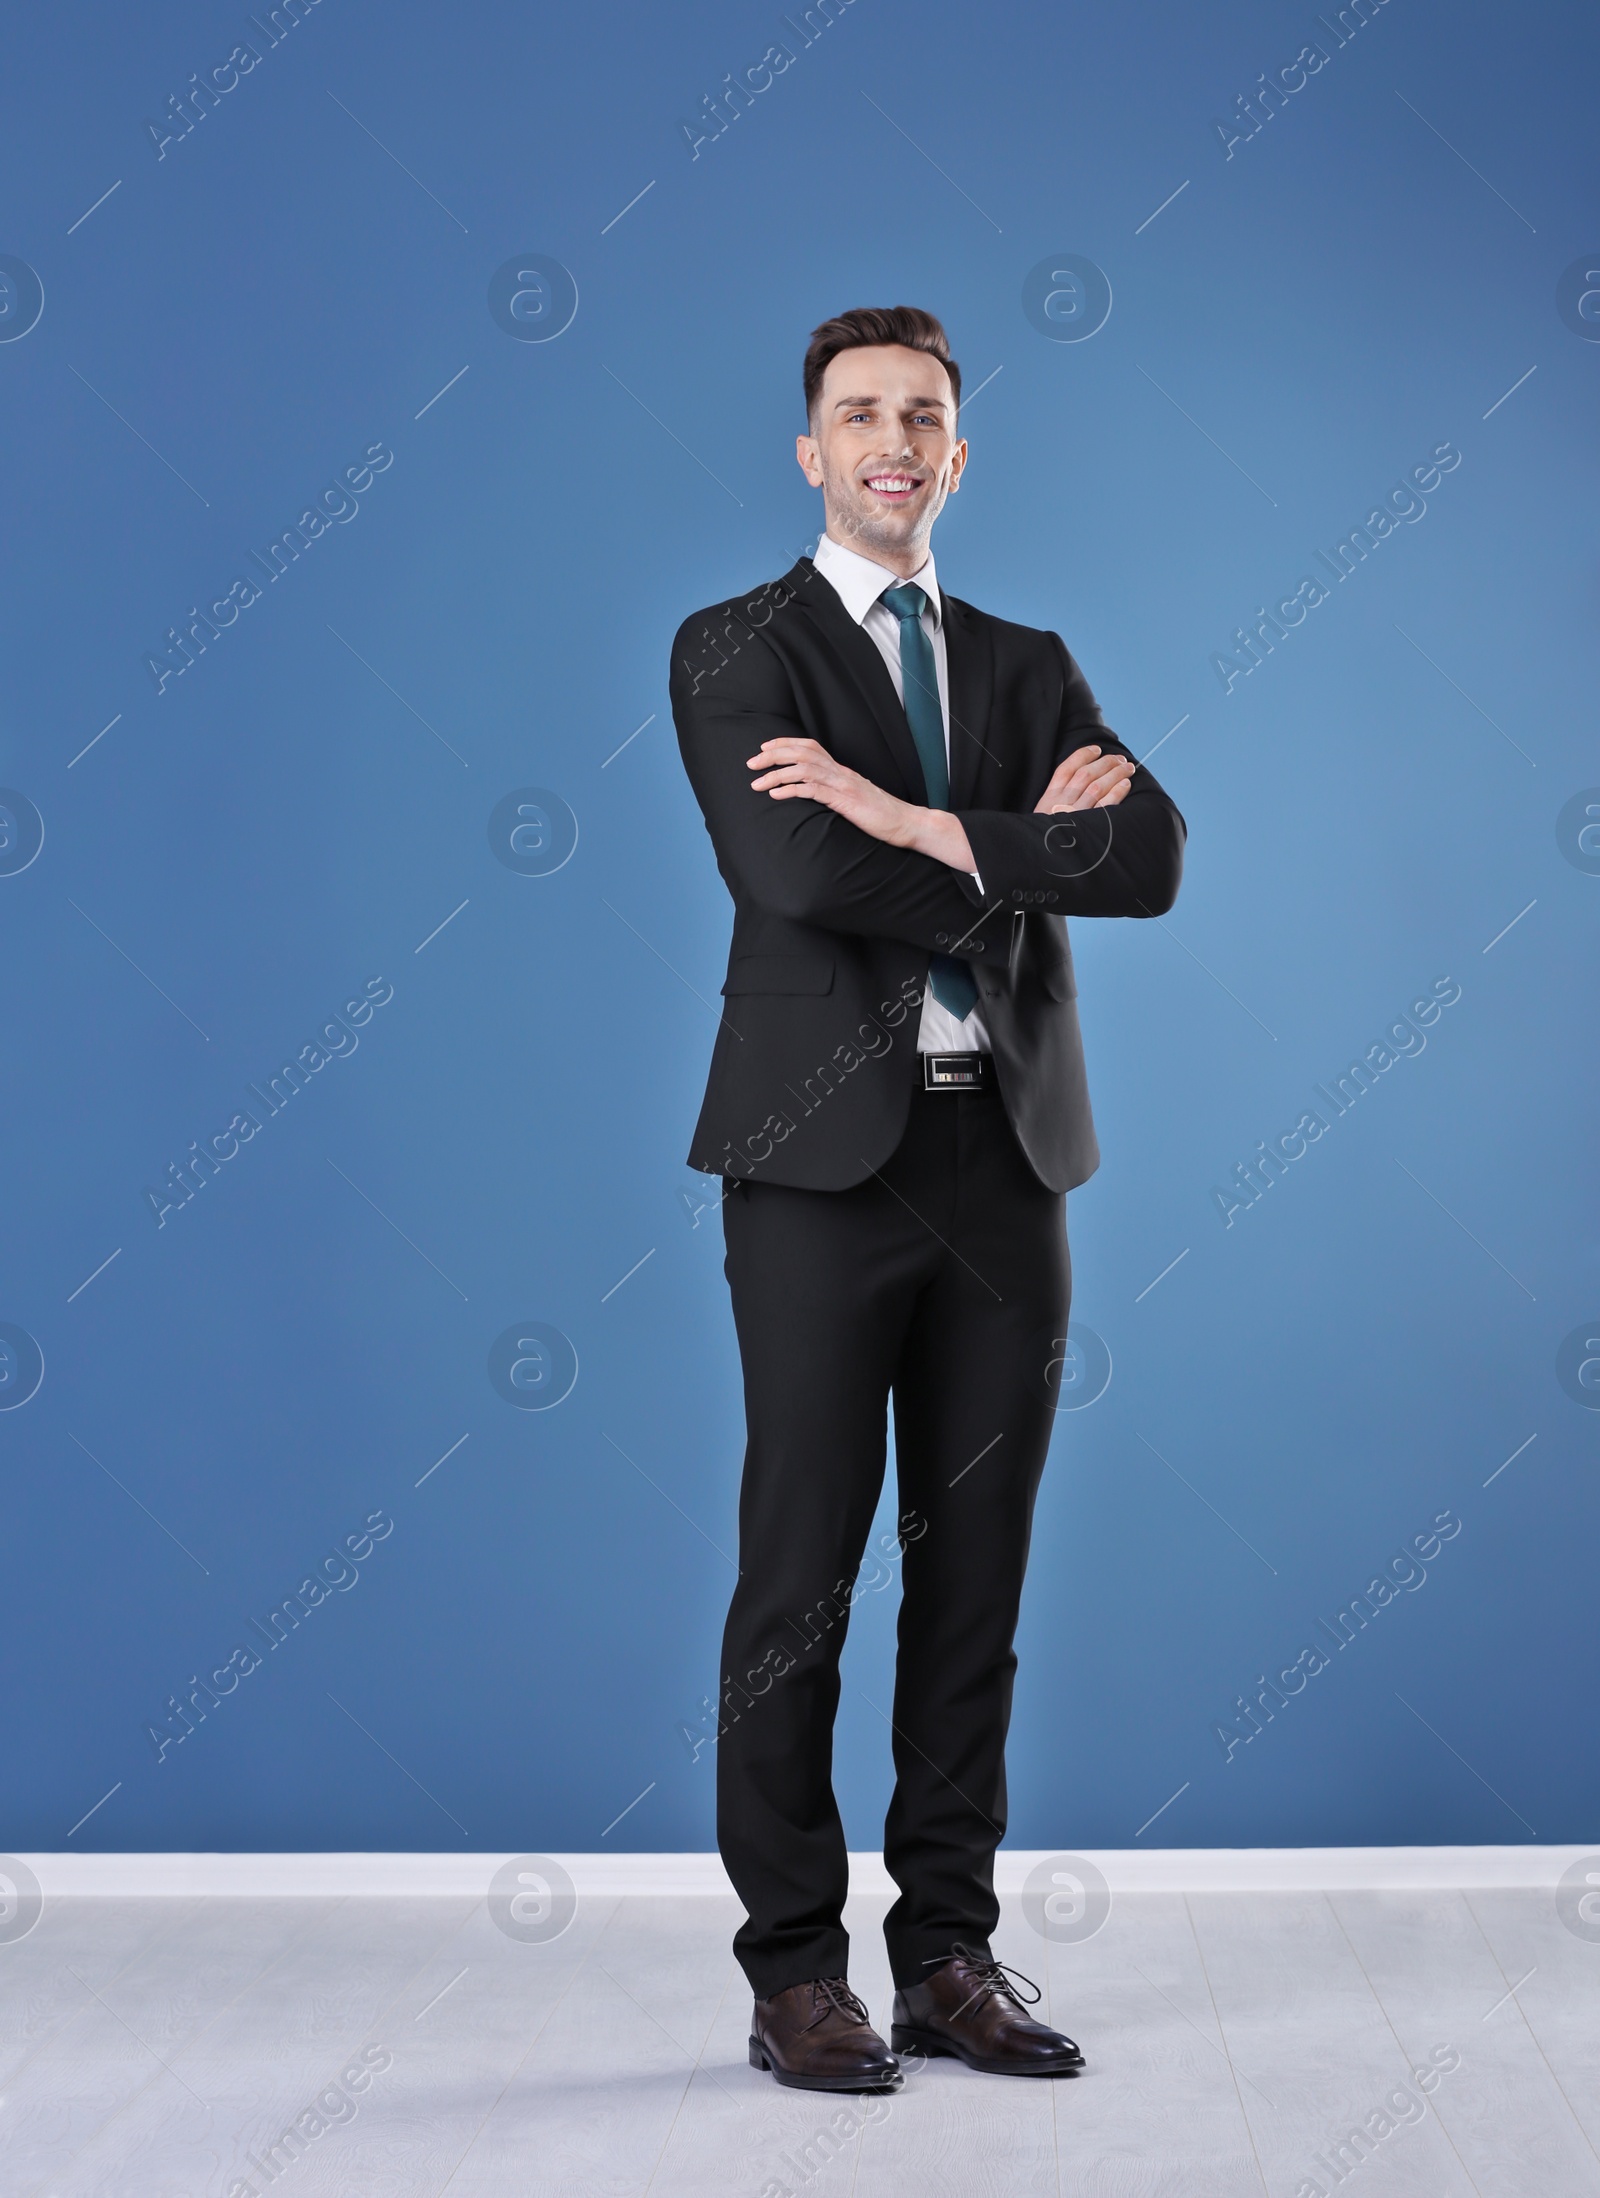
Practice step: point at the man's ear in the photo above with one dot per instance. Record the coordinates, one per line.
(958, 466)
(808, 459)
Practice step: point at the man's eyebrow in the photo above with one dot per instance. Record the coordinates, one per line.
(917, 404)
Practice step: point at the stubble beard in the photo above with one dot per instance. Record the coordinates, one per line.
(858, 527)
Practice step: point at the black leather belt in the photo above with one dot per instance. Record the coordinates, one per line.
(957, 1072)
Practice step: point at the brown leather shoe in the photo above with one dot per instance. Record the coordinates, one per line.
(816, 2037)
(969, 2010)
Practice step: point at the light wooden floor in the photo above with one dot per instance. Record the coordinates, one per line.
(148, 2047)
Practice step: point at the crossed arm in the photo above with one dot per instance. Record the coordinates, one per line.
(1103, 839)
(800, 834)
(1087, 779)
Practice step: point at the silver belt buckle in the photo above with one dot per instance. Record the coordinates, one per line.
(954, 1071)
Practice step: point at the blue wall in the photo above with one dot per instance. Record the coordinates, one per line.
(264, 1377)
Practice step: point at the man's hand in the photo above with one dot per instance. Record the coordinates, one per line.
(1088, 779)
(790, 767)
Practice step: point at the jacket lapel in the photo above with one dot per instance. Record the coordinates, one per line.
(969, 659)
(866, 667)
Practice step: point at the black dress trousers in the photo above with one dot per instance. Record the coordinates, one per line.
(943, 1281)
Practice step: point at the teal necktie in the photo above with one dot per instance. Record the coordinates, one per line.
(950, 980)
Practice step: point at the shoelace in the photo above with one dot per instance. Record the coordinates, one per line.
(832, 1995)
(994, 1977)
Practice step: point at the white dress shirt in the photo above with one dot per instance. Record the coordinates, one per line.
(859, 585)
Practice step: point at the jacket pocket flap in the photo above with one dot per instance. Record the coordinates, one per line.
(1059, 981)
(779, 973)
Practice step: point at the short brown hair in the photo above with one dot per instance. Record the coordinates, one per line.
(907, 325)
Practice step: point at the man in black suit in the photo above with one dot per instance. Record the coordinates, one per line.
(906, 797)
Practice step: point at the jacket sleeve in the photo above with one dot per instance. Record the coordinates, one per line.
(796, 858)
(1125, 861)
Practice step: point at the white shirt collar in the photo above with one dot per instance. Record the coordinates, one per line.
(859, 582)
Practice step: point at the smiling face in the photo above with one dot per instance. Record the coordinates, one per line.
(883, 451)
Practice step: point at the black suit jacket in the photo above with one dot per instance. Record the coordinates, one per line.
(812, 1071)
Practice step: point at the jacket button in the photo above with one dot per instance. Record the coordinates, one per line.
(978, 943)
(941, 938)
(1052, 896)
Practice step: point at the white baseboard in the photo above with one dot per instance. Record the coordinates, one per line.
(1127, 1870)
